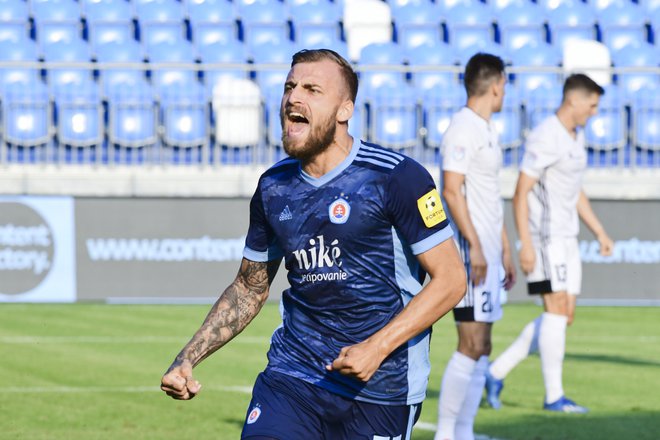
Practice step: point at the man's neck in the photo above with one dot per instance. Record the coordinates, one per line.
(482, 107)
(566, 119)
(330, 158)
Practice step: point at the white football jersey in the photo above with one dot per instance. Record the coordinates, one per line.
(558, 161)
(471, 147)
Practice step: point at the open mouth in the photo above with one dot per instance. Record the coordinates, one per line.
(297, 123)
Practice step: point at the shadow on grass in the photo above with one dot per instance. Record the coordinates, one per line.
(612, 359)
(637, 425)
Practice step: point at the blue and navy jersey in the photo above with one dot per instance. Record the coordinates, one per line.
(349, 241)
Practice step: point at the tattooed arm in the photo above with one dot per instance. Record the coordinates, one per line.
(231, 313)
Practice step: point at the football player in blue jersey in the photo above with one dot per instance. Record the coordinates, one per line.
(358, 227)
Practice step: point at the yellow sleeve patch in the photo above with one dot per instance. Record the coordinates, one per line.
(430, 208)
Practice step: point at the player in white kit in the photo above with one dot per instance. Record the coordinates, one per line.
(471, 162)
(548, 203)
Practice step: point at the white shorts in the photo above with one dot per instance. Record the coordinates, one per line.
(558, 267)
(481, 303)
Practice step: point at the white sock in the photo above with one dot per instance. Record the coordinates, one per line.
(455, 384)
(523, 346)
(552, 345)
(465, 423)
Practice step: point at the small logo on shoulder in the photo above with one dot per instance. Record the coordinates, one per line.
(254, 415)
(430, 208)
(286, 214)
(339, 211)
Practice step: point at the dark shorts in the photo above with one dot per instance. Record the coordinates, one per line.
(287, 408)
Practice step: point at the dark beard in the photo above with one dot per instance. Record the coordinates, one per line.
(317, 142)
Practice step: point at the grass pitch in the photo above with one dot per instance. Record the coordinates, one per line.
(91, 371)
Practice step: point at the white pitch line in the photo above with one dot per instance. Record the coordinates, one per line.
(115, 340)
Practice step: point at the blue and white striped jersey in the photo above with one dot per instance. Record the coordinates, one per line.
(349, 240)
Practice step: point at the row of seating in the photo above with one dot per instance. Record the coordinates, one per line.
(322, 22)
(240, 115)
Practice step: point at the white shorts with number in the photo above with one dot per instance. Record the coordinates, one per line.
(558, 267)
(481, 303)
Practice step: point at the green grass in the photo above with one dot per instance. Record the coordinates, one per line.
(90, 371)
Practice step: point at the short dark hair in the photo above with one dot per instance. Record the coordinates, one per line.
(480, 71)
(314, 55)
(580, 81)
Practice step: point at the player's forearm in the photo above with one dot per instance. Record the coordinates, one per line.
(230, 314)
(521, 216)
(434, 301)
(588, 216)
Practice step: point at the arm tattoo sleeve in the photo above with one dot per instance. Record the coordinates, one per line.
(232, 312)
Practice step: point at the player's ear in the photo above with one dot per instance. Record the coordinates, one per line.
(345, 111)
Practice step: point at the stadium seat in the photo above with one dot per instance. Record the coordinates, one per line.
(14, 20)
(394, 118)
(621, 25)
(390, 55)
(56, 20)
(223, 53)
(484, 46)
(438, 107)
(73, 51)
(132, 125)
(541, 103)
(642, 55)
(264, 22)
(27, 115)
(315, 23)
(468, 25)
(417, 23)
(184, 120)
(589, 57)
(338, 46)
(442, 56)
(571, 20)
(549, 5)
(273, 101)
(646, 121)
(23, 50)
(178, 52)
(113, 53)
(536, 56)
(109, 20)
(79, 116)
(272, 53)
(212, 21)
(366, 22)
(521, 24)
(607, 130)
(160, 21)
(357, 125)
(237, 112)
(509, 121)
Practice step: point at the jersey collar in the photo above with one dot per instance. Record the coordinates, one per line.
(327, 177)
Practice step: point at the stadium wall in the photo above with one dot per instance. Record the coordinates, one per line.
(169, 250)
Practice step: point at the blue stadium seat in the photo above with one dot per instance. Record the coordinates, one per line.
(356, 125)
(646, 121)
(338, 46)
(381, 54)
(23, 50)
(417, 23)
(264, 22)
(218, 53)
(160, 21)
(571, 20)
(14, 20)
(509, 121)
(622, 24)
(132, 126)
(394, 117)
(212, 21)
(541, 103)
(606, 133)
(109, 20)
(56, 20)
(74, 51)
(27, 116)
(184, 119)
(537, 56)
(178, 52)
(549, 5)
(438, 107)
(643, 55)
(79, 116)
(113, 53)
(441, 55)
(315, 23)
(272, 53)
(469, 24)
(521, 24)
(484, 46)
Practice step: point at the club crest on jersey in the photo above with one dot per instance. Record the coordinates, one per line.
(254, 415)
(430, 208)
(339, 211)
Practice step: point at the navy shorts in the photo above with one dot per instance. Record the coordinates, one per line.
(287, 408)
